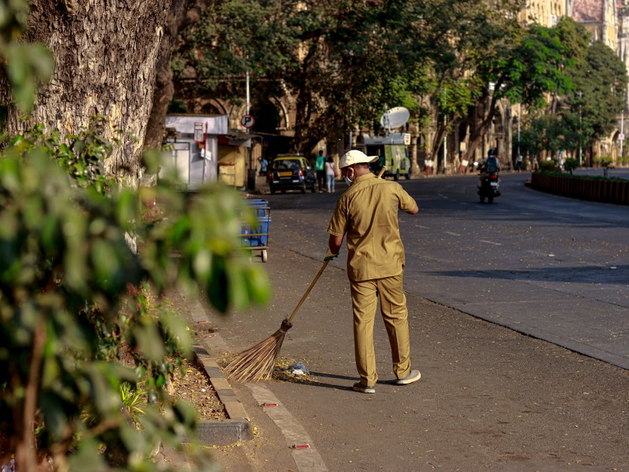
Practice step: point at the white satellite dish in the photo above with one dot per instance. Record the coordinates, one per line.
(395, 118)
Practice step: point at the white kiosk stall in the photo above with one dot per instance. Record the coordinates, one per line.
(195, 147)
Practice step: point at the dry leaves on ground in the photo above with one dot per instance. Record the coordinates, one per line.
(196, 389)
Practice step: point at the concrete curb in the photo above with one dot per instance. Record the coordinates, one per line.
(238, 427)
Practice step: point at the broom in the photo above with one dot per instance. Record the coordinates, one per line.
(257, 363)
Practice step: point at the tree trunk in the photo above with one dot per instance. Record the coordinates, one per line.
(304, 102)
(107, 55)
(183, 14)
(437, 142)
(479, 132)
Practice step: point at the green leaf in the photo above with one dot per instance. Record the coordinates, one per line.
(127, 207)
(177, 327)
(186, 413)
(51, 234)
(258, 284)
(133, 439)
(105, 397)
(54, 413)
(217, 286)
(50, 372)
(161, 381)
(87, 457)
(27, 65)
(149, 341)
(237, 285)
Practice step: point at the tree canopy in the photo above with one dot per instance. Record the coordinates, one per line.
(346, 62)
(587, 108)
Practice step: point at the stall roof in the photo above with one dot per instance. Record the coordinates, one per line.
(393, 138)
(216, 124)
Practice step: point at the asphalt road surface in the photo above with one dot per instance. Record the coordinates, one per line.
(550, 267)
(490, 398)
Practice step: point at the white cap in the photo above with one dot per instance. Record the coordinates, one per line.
(355, 157)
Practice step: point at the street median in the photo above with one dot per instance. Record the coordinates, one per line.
(583, 188)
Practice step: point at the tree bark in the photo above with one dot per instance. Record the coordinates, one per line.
(107, 55)
(437, 142)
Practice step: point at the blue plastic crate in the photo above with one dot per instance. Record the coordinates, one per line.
(260, 234)
(260, 206)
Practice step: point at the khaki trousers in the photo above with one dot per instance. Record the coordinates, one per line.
(395, 315)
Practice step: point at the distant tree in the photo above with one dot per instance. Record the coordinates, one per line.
(524, 71)
(183, 13)
(597, 94)
(571, 164)
(453, 38)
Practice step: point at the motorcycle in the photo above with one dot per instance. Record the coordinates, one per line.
(489, 187)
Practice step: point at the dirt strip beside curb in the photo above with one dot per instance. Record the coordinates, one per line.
(238, 427)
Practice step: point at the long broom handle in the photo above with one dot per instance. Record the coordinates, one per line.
(312, 284)
(316, 278)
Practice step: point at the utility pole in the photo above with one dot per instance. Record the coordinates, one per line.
(519, 115)
(445, 143)
(248, 98)
(622, 132)
(580, 128)
(445, 134)
(251, 173)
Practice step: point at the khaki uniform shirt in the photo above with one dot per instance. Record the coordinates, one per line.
(368, 213)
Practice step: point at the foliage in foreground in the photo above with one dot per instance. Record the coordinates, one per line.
(72, 303)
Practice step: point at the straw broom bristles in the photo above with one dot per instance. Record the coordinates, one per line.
(257, 363)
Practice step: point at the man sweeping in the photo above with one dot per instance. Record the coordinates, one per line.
(368, 214)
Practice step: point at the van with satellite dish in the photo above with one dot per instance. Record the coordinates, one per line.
(393, 154)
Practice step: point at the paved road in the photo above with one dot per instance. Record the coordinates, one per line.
(551, 267)
(489, 398)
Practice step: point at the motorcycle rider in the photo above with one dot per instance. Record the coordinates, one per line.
(490, 166)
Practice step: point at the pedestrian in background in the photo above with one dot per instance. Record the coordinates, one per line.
(330, 174)
(320, 168)
(264, 164)
(368, 214)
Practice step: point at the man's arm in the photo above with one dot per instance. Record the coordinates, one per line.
(406, 201)
(334, 243)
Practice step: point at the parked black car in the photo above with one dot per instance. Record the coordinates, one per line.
(291, 173)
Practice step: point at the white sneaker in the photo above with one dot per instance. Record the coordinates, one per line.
(414, 376)
(362, 388)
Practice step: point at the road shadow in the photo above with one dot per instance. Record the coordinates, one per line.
(351, 379)
(333, 376)
(588, 275)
